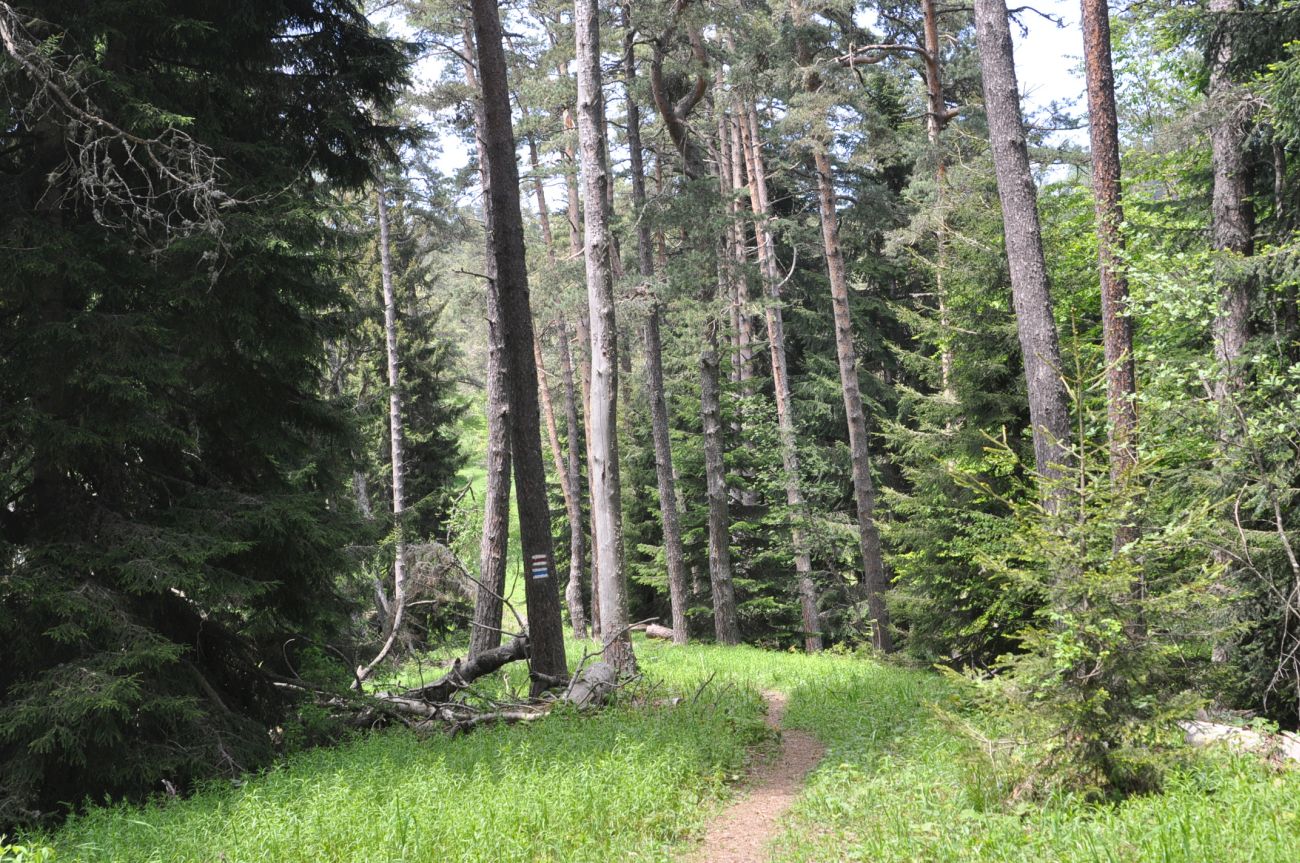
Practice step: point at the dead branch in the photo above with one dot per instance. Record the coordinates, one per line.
(160, 187)
(463, 673)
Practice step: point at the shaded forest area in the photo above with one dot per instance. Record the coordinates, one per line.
(765, 322)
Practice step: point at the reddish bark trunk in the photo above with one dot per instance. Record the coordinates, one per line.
(1116, 324)
(1049, 409)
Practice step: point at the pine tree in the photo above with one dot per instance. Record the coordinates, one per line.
(171, 475)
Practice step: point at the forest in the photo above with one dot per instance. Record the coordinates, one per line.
(710, 430)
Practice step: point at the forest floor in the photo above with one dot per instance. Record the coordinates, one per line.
(904, 778)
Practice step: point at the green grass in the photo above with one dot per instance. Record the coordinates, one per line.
(900, 784)
(624, 784)
(637, 783)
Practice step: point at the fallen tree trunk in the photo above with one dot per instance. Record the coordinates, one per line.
(593, 685)
(654, 630)
(1284, 746)
(463, 673)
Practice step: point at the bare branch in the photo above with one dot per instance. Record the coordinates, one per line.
(160, 187)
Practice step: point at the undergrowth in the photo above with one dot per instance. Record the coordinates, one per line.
(626, 783)
(912, 773)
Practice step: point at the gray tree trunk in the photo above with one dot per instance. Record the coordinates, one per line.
(759, 203)
(936, 119)
(546, 634)
(602, 445)
(397, 616)
(1232, 216)
(874, 580)
(674, 115)
(864, 493)
(568, 490)
(1049, 408)
(489, 595)
(577, 538)
(674, 557)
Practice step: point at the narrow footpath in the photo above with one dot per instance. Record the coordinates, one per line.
(742, 833)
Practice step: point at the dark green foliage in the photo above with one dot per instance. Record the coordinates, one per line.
(168, 474)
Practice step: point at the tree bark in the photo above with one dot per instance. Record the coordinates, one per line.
(674, 557)
(772, 310)
(874, 579)
(583, 342)
(489, 594)
(1116, 324)
(577, 538)
(674, 115)
(570, 480)
(462, 674)
(568, 489)
(539, 190)
(1232, 216)
(1049, 410)
(936, 119)
(397, 616)
(507, 241)
(602, 446)
(571, 189)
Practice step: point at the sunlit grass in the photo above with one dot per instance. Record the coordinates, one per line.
(623, 784)
(899, 783)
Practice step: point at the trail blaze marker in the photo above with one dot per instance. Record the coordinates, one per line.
(539, 566)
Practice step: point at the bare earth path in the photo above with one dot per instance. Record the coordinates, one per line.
(741, 832)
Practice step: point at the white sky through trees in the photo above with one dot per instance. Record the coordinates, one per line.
(1048, 67)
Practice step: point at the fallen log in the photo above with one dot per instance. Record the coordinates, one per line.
(592, 686)
(463, 673)
(654, 630)
(1284, 746)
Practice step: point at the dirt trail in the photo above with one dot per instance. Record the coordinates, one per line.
(742, 832)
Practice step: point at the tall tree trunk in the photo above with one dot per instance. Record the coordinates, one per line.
(570, 480)
(864, 492)
(1232, 215)
(674, 115)
(539, 190)
(1049, 409)
(760, 204)
(725, 626)
(546, 635)
(732, 264)
(571, 188)
(584, 359)
(489, 593)
(577, 538)
(573, 588)
(395, 437)
(583, 343)
(936, 118)
(1116, 324)
(874, 579)
(674, 557)
(602, 446)
(1232, 235)
(493, 556)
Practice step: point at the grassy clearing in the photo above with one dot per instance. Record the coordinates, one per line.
(624, 784)
(899, 784)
